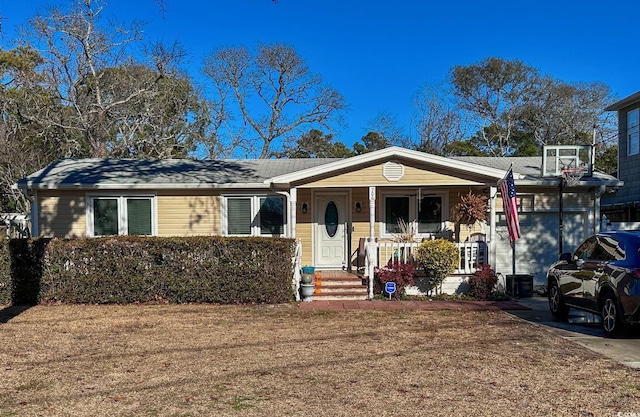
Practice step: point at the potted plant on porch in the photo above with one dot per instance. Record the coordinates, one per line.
(307, 287)
(471, 209)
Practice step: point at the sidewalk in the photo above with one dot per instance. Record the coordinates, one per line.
(412, 305)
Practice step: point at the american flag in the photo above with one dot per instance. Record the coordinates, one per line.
(510, 205)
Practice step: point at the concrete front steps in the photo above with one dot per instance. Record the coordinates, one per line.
(339, 285)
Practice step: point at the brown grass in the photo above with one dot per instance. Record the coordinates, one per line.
(204, 360)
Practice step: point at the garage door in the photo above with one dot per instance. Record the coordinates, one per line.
(538, 247)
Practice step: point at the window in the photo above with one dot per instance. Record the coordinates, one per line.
(427, 211)
(430, 214)
(633, 132)
(120, 215)
(254, 215)
(396, 210)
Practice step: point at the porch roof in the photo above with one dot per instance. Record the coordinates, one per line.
(387, 154)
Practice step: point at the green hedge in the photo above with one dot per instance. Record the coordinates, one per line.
(129, 269)
(5, 272)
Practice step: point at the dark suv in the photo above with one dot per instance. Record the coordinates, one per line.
(602, 276)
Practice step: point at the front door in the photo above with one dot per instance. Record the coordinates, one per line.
(331, 230)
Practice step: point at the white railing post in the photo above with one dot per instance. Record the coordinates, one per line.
(370, 262)
(297, 261)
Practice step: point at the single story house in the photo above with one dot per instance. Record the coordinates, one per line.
(330, 206)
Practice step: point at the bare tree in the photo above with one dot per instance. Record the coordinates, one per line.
(436, 120)
(565, 114)
(386, 125)
(104, 100)
(274, 92)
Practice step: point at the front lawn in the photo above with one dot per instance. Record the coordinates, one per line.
(207, 360)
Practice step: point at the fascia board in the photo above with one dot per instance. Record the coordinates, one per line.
(142, 186)
(283, 180)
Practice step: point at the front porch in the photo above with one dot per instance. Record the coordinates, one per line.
(356, 281)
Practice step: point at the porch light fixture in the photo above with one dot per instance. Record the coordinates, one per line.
(305, 207)
(358, 206)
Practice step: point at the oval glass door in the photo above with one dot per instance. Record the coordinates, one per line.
(331, 218)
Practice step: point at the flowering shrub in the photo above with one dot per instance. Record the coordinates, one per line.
(400, 273)
(482, 283)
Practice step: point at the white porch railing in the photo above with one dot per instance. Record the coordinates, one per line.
(297, 265)
(378, 254)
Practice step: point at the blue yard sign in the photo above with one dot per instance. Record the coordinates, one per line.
(390, 288)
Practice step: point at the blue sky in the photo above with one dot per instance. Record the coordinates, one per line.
(379, 53)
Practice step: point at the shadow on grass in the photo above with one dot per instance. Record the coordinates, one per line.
(10, 312)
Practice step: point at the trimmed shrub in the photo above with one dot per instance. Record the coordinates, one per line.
(132, 269)
(27, 260)
(5, 272)
(438, 258)
(482, 283)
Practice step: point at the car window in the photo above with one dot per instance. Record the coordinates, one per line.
(608, 249)
(585, 250)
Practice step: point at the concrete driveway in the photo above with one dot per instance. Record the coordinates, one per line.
(583, 329)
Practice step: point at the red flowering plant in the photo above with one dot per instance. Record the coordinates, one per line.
(403, 274)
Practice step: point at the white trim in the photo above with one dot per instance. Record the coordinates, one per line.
(346, 193)
(255, 209)
(382, 155)
(122, 212)
(412, 194)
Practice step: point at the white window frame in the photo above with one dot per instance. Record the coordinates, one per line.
(122, 211)
(633, 134)
(412, 194)
(255, 209)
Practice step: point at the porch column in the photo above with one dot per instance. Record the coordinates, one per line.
(372, 211)
(371, 257)
(493, 193)
(293, 200)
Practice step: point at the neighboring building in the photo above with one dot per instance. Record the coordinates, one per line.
(623, 206)
(329, 205)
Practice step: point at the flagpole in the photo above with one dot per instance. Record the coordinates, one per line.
(513, 267)
(510, 208)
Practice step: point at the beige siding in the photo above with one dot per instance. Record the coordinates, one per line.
(372, 175)
(303, 225)
(187, 215)
(536, 199)
(61, 214)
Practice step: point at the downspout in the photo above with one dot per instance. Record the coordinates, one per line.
(291, 197)
(291, 215)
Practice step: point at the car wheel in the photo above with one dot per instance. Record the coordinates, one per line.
(559, 310)
(610, 313)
